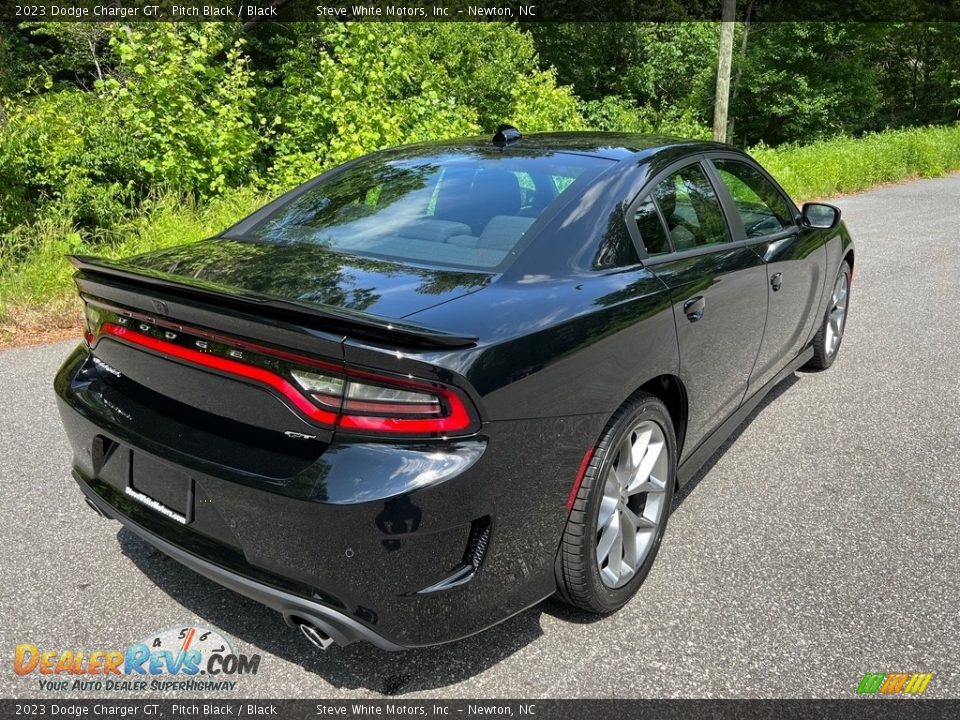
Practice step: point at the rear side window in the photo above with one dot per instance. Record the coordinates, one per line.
(760, 206)
(652, 234)
(691, 209)
(459, 209)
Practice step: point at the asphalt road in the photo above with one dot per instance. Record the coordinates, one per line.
(819, 544)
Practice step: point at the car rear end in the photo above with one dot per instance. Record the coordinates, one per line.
(258, 408)
(245, 446)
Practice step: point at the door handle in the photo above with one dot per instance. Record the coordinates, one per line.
(694, 307)
(776, 281)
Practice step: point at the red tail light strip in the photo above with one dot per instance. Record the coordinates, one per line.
(457, 419)
(231, 367)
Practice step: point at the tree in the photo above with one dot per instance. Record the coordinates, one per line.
(724, 60)
(663, 70)
(346, 89)
(802, 81)
(186, 94)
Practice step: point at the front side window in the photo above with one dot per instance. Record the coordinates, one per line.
(460, 209)
(691, 210)
(760, 206)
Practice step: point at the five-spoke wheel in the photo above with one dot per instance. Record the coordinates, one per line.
(837, 314)
(632, 505)
(621, 509)
(826, 343)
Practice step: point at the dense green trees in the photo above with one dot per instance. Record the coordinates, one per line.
(119, 139)
(659, 72)
(342, 90)
(97, 119)
(792, 82)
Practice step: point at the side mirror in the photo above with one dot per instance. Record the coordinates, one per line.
(820, 216)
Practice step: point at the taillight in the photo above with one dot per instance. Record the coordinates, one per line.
(351, 399)
(258, 374)
(325, 390)
(367, 399)
(377, 404)
(91, 323)
(373, 403)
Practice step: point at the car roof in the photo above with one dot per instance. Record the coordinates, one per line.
(608, 145)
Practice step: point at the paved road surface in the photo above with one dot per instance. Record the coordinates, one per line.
(821, 544)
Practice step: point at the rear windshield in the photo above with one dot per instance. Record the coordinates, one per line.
(464, 210)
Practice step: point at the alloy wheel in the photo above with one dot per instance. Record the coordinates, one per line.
(838, 314)
(633, 505)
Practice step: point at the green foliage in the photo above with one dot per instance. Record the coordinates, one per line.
(803, 81)
(612, 114)
(100, 119)
(346, 90)
(37, 286)
(119, 138)
(350, 89)
(665, 68)
(920, 78)
(843, 165)
(16, 55)
(175, 115)
(186, 95)
(615, 114)
(792, 82)
(495, 70)
(60, 154)
(70, 54)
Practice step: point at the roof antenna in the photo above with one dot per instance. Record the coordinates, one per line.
(506, 135)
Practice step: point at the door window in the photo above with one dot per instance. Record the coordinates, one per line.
(760, 206)
(691, 209)
(651, 229)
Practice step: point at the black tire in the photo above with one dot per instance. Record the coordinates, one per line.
(823, 357)
(578, 575)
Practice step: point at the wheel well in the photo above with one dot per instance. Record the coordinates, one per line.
(849, 258)
(671, 392)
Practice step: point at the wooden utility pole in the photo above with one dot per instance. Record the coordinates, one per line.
(731, 133)
(721, 104)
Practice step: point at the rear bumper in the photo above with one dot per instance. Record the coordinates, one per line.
(294, 608)
(368, 541)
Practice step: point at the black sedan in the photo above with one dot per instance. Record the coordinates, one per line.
(440, 383)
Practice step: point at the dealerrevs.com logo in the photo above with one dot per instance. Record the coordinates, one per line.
(179, 659)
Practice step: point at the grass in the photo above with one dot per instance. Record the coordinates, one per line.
(37, 295)
(38, 301)
(845, 165)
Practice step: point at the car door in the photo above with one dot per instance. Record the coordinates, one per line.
(764, 218)
(717, 287)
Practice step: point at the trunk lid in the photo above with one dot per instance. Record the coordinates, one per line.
(311, 274)
(221, 338)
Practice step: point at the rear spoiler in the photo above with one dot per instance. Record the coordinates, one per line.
(313, 315)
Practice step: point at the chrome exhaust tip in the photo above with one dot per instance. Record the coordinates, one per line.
(316, 636)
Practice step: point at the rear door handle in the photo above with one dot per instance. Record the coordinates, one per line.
(694, 307)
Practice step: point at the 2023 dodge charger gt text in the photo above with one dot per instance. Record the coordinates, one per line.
(440, 383)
